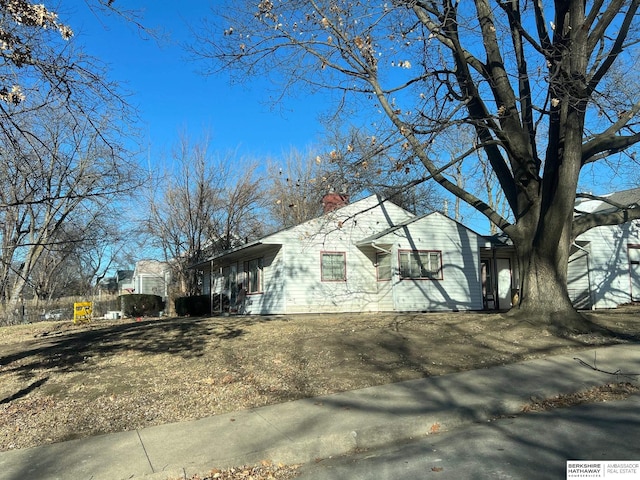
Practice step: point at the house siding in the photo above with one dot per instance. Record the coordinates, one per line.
(307, 293)
(338, 231)
(460, 287)
(271, 299)
(292, 263)
(151, 277)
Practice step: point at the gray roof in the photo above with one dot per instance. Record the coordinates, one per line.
(624, 198)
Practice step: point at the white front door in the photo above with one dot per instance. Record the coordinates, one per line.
(503, 266)
(384, 281)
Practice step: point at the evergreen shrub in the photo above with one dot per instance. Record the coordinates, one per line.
(141, 305)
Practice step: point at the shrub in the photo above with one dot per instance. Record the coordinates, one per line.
(194, 306)
(141, 305)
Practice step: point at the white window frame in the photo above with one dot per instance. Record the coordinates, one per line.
(384, 270)
(254, 275)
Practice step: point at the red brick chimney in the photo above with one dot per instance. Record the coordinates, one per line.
(333, 201)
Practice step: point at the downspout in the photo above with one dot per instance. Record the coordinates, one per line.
(494, 279)
(220, 279)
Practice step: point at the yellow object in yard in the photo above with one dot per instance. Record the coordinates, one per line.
(82, 312)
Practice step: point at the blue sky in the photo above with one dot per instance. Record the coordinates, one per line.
(173, 97)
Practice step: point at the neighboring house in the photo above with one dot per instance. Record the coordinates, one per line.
(604, 269)
(367, 256)
(604, 264)
(124, 279)
(151, 277)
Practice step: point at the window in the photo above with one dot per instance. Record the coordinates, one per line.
(383, 261)
(254, 275)
(229, 274)
(421, 264)
(333, 267)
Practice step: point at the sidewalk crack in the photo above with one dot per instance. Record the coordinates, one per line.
(146, 454)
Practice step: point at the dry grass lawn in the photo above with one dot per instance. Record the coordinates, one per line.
(60, 381)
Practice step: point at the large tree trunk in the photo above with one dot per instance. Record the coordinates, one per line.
(543, 260)
(546, 208)
(544, 298)
(543, 237)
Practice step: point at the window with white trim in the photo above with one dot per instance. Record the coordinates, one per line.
(333, 267)
(254, 275)
(230, 276)
(383, 262)
(420, 264)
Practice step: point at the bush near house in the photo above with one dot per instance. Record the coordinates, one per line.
(200, 305)
(195, 306)
(141, 305)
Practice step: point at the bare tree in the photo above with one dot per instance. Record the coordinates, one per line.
(57, 186)
(63, 128)
(363, 161)
(297, 183)
(202, 206)
(86, 249)
(180, 219)
(473, 173)
(241, 216)
(40, 64)
(533, 80)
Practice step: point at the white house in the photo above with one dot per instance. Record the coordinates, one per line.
(366, 256)
(604, 269)
(372, 256)
(151, 277)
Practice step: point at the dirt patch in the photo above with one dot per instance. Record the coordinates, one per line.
(60, 381)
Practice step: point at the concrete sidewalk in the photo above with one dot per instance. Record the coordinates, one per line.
(304, 430)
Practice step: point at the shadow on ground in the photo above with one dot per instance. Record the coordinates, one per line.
(184, 337)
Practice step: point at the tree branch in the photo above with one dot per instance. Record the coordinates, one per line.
(622, 214)
(608, 141)
(594, 367)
